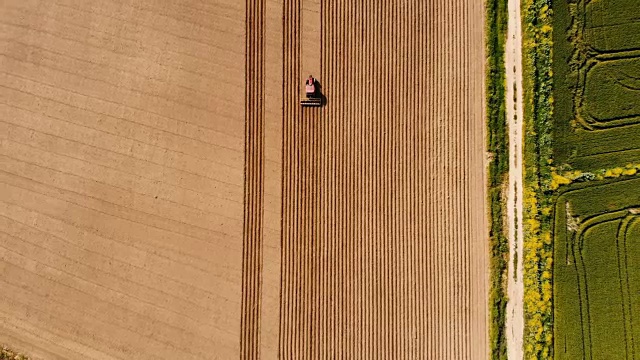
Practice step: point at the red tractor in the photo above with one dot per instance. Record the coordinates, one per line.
(311, 89)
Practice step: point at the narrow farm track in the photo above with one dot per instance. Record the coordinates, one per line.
(384, 231)
(515, 194)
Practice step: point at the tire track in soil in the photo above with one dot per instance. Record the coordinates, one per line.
(253, 232)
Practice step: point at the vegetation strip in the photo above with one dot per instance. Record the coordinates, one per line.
(538, 111)
(8, 354)
(496, 30)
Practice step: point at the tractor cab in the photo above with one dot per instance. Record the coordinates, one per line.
(312, 93)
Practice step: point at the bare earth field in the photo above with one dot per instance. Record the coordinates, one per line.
(121, 178)
(162, 193)
(384, 231)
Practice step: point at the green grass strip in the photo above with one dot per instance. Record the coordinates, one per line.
(496, 35)
(538, 194)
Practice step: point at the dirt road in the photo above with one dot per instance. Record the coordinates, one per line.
(515, 289)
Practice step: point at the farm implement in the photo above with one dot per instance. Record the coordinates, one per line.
(313, 98)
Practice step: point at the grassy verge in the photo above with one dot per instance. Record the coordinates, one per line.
(7, 354)
(538, 202)
(496, 32)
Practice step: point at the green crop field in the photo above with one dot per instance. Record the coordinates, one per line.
(597, 272)
(596, 82)
(596, 223)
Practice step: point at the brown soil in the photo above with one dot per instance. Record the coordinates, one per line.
(150, 207)
(121, 196)
(384, 233)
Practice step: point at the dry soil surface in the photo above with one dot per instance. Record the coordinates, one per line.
(515, 115)
(384, 229)
(162, 192)
(121, 178)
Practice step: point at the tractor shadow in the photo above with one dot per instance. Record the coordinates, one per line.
(319, 94)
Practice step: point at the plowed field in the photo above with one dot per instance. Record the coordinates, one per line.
(163, 195)
(384, 250)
